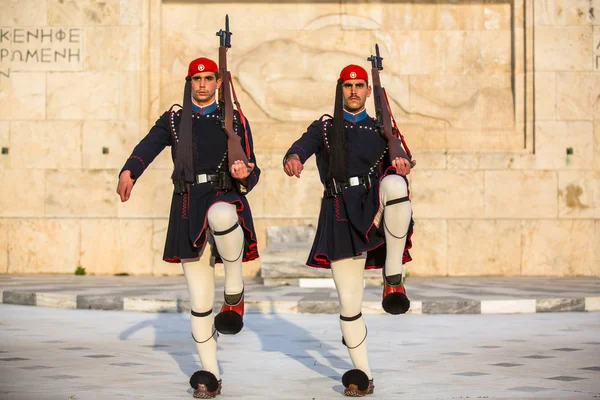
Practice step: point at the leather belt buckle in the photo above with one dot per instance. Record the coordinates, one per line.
(354, 181)
(202, 178)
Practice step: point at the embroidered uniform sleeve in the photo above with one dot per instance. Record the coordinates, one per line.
(310, 143)
(255, 174)
(149, 147)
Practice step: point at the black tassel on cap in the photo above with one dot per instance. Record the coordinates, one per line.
(338, 164)
(184, 164)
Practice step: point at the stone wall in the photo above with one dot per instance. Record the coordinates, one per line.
(498, 100)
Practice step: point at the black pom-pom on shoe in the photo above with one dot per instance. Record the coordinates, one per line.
(229, 322)
(395, 303)
(204, 378)
(357, 378)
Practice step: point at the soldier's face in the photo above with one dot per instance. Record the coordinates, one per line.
(356, 92)
(204, 87)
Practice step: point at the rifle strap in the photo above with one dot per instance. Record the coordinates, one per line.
(239, 108)
(396, 126)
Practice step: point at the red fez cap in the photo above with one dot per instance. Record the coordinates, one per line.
(354, 72)
(202, 65)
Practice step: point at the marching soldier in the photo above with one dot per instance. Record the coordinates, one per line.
(366, 217)
(209, 207)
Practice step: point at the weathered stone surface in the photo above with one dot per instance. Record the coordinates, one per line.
(4, 142)
(569, 12)
(21, 298)
(23, 13)
(433, 191)
(59, 240)
(83, 12)
(520, 194)
(46, 144)
(553, 139)
(558, 248)
(545, 96)
(579, 194)
(307, 192)
(563, 48)
(578, 95)
(118, 137)
(56, 300)
(99, 302)
(20, 100)
(24, 193)
(94, 96)
(451, 307)
(115, 49)
(290, 234)
(81, 193)
(430, 248)
(3, 246)
(150, 197)
(113, 253)
(484, 247)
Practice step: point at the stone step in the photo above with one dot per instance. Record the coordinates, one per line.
(284, 260)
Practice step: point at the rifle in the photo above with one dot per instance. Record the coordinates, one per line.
(234, 144)
(384, 117)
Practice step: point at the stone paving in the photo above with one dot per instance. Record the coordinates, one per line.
(57, 354)
(486, 295)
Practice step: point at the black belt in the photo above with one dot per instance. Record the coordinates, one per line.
(334, 188)
(220, 180)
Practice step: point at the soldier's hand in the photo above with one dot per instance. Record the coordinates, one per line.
(402, 165)
(293, 167)
(125, 185)
(240, 171)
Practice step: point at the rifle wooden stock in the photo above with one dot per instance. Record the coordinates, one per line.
(234, 142)
(384, 120)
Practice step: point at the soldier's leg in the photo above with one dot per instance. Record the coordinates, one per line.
(229, 239)
(396, 220)
(348, 276)
(200, 280)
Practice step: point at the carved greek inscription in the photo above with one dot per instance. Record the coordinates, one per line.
(40, 49)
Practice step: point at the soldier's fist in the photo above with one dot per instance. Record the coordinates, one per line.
(125, 185)
(293, 166)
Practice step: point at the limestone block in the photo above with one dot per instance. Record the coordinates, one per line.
(5, 142)
(119, 137)
(83, 12)
(564, 48)
(554, 138)
(545, 96)
(566, 12)
(558, 248)
(429, 159)
(488, 52)
(131, 12)
(596, 268)
(596, 48)
(420, 136)
(110, 246)
(480, 138)
(426, 52)
(597, 145)
(257, 200)
(462, 160)
(497, 15)
(290, 234)
(22, 193)
(578, 94)
(513, 160)
(471, 102)
(46, 144)
(115, 49)
(150, 197)
(520, 194)
(484, 247)
(43, 246)
(129, 108)
(579, 194)
(302, 196)
(23, 13)
(22, 100)
(430, 248)
(87, 193)
(447, 194)
(83, 95)
(4, 246)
